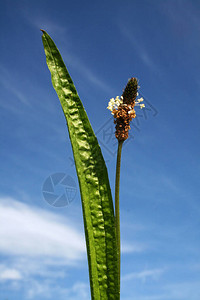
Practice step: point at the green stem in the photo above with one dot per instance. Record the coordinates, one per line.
(117, 213)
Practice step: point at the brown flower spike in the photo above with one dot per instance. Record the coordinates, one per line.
(123, 109)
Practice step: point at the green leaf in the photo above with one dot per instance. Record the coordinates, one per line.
(97, 204)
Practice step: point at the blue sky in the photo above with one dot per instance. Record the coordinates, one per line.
(103, 43)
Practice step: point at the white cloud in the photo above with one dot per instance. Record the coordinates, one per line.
(77, 291)
(37, 248)
(30, 231)
(9, 274)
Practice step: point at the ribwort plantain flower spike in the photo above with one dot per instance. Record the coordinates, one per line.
(123, 109)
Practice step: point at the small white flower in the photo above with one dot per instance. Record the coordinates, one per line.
(142, 105)
(114, 103)
(137, 103)
(140, 100)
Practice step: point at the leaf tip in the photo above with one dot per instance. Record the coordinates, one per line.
(43, 31)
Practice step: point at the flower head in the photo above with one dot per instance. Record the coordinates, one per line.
(122, 108)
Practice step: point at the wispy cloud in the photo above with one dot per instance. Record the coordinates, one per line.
(63, 33)
(130, 248)
(183, 290)
(139, 48)
(40, 21)
(143, 275)
(6, 80)
(48, 25)
(87, 74)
